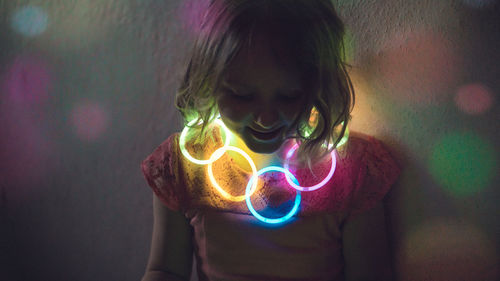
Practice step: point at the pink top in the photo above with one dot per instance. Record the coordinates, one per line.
(231, 244)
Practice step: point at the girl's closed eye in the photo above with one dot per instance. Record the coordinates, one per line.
(289, 97)
(238, 94)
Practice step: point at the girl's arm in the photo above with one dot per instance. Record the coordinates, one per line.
(365, 247)
(171, 254)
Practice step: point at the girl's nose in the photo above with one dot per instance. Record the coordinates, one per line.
(267, 119)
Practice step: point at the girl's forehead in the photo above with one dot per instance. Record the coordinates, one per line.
(260, 63)
(262, 53)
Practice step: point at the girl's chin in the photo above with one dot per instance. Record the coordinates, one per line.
(268, 147)
(267, 137)
(258, 145)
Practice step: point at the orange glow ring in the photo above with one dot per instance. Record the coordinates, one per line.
(216, 155)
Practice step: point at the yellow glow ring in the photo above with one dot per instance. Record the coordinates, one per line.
(182, 143)
(217, 154)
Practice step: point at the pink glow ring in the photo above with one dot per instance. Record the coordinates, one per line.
(313, 187)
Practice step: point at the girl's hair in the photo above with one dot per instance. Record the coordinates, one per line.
(306, 34)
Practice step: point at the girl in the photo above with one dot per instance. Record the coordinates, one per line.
(259, 185)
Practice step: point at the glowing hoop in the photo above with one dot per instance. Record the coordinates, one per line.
(272, 220)
(253, 182)
(313, 187)
(216, 155)
(182, 142)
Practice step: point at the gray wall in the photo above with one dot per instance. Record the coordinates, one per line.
(86, 93)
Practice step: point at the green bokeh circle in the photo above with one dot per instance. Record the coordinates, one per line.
(463, 163)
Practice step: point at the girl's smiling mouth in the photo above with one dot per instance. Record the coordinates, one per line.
(265, 136)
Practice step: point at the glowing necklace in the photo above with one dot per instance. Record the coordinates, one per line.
(253, 182)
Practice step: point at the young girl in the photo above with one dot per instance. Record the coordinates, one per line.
(262, 184)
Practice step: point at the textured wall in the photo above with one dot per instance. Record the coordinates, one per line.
(86, 91)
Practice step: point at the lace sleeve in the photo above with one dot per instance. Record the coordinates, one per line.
(378, 171)
(161, 171)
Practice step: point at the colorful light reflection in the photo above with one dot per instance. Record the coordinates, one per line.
(29, 21)
(27, 80)
(253, 182)
(182, 143)
(296, 204)
(312, 187)
(419, 67)
(28, 152)
(463, 163)
(474, 99)
(89, 120)
(216, 155)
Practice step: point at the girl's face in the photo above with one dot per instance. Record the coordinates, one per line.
(259, 99)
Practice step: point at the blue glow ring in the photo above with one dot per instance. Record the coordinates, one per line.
(272, 220)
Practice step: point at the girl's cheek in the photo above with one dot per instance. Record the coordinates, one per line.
(236, 111)
(291, 112)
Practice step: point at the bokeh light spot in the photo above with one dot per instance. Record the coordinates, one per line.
(446, 249)
(474, 99)
(27, 150)
(89, 120)
(27, 80)
(29, 20)
(463, 163)
(418, 67)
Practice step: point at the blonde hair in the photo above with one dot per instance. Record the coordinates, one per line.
(313, 34)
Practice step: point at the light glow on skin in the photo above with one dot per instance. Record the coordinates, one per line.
(253, 182)
(216, 155)
(248, 191)
(182, 143)
(313, 187)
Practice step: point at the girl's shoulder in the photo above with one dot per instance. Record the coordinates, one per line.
(178, 181)
(161, 171)
(363, 148)
(364, 172)
(373, 166)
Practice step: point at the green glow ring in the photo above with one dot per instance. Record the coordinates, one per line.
(182, 143)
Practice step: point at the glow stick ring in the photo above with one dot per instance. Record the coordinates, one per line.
(182, 143)
(286, 217)
(216, 155)
(313, 187)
